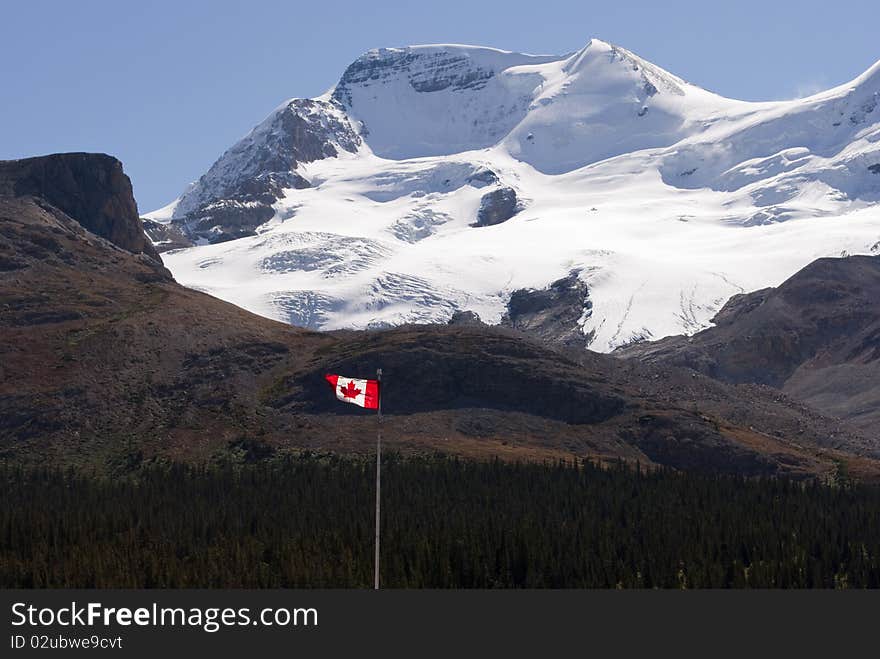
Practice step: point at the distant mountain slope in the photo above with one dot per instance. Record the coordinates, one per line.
(444, 178)
(816, 337)
(106, 361)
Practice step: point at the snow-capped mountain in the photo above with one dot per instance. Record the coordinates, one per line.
(432, 179)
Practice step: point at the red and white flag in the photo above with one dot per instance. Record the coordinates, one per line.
(364, 393)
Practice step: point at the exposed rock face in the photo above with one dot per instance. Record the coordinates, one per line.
(90, 188)
(165, 237)
(497, 206)
(483, 176)
(465, 318)
(236, 195)
(551, 314)
(228, 219)
(430, 71)
(816, 336)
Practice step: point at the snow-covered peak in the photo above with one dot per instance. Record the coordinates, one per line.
(557, 113)
(447, 61)
(604, 62)
(427, 68)
(444, 177)
(603, 101)
(299, 131)
(435, 100)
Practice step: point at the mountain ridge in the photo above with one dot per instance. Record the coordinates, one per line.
(815, 337)
(106, 362)
(666, 198)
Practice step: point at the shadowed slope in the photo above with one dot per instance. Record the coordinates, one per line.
(105, 360)
(816, 336)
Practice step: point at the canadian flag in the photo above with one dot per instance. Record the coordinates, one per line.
(364, 393)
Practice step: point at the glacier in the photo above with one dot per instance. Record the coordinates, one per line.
(358, 209)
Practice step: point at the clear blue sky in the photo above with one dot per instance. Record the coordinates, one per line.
(167, 86)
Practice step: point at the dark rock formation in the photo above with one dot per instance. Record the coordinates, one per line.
(816, 336)
(165, 237)
(426, 71)
(551, 314)
(497, 206)
(236, 194)
(483, 176)
(465, 318)
(228, 219)
(91, 188)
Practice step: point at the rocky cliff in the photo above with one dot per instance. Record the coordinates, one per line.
(90, 188)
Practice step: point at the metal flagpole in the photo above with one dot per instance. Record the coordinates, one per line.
(378, 478)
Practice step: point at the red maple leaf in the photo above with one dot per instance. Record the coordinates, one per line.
(350, 391)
